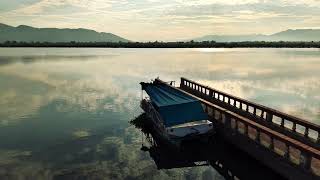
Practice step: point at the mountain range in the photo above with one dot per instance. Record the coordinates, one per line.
(288, 35)
(31, 34)
(28, 34)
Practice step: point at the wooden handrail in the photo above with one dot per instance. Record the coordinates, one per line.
(266, 112)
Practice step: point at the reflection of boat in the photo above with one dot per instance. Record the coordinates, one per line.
(176, 116)
(227, 160)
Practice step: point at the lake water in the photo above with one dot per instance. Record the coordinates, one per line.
(65, 112)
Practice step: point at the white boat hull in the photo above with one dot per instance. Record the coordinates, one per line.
(191, 128)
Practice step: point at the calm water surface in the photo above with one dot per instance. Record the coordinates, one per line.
(66, 111)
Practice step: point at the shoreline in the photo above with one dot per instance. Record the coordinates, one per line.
(191, 44)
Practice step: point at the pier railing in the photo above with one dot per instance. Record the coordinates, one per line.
(292, 150)
(298, 154)
(289, 125)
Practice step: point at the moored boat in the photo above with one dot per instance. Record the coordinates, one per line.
(176, 116)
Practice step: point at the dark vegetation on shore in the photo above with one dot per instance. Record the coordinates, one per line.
(156, 44)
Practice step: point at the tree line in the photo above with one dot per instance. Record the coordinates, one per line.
(157, 44)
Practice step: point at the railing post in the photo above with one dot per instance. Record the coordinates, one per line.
(294, 127)
(236, 128)
(257, 139)
(287, 152)
(210, 92)
(282, 122)
(182, 82)
(254, 111)
(269, 117)
(306, 132)
(227, 120)
(271, 146)
(246, 129)
(217, 115)
(206, 108)
(305, 161)
(213, 113)
(262, 113)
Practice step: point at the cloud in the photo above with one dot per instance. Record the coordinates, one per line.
(39, 7)
(81, 133)
(87, 91)
(167, 19)
(104, 156)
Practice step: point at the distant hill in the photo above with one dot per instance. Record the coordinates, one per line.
(288, 35)
(28, 34)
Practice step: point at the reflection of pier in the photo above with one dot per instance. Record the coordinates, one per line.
(228, 160)
(253, 141)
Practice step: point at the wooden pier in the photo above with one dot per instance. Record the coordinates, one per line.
(288, 145)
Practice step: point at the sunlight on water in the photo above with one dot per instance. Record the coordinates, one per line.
(67, 110)
(211, 49)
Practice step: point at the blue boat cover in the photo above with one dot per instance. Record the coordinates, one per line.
(174, 106)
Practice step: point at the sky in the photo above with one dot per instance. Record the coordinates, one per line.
(167, 20)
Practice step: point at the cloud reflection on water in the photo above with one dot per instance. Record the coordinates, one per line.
(51, 100)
